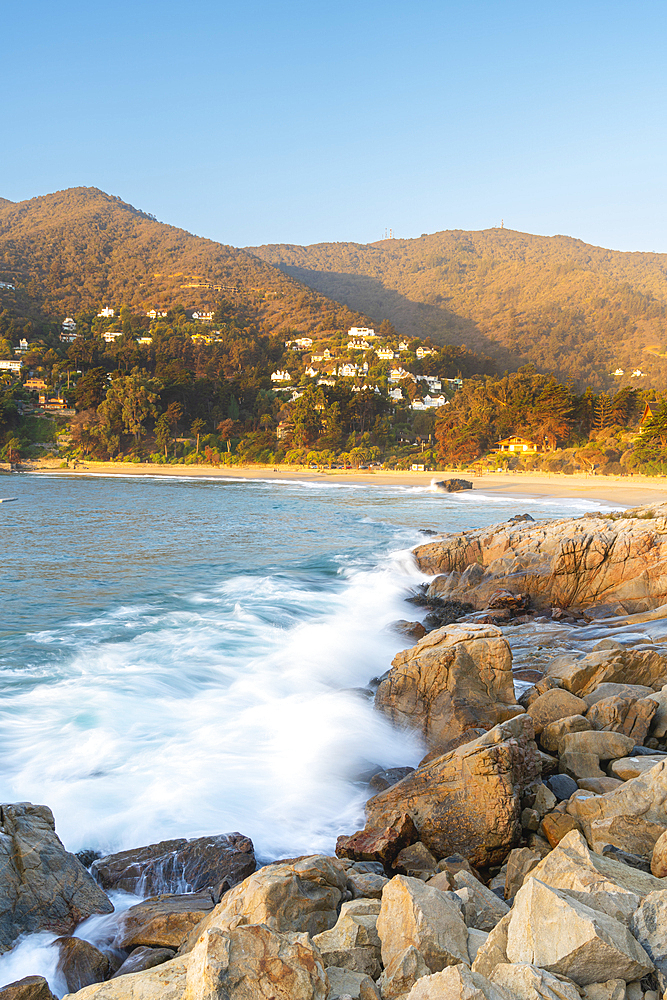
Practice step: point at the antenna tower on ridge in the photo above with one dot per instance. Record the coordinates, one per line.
(502, 223)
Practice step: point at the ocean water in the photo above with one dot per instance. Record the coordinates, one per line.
(181, 657)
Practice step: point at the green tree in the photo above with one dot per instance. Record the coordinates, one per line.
(198, 426)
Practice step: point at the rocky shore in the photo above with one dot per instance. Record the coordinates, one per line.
(525, 857)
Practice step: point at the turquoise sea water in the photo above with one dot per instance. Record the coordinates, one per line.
(178, 656)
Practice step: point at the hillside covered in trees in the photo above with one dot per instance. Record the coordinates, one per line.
(79, 249)
(569, 308)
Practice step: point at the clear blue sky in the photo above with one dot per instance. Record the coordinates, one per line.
(302, 122)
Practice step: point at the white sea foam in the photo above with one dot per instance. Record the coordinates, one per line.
(228, 713)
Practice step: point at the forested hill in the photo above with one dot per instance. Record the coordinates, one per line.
(570, 308)
(79, 249)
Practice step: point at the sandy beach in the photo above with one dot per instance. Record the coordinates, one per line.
(626, 491)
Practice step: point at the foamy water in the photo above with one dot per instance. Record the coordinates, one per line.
(184, 657)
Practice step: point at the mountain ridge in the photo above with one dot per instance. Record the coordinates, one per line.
(552, 300)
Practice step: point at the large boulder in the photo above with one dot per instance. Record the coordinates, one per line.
(573, 562)
(415, 915)
(42, 886)
(28, 988)
(456, 678)
(585, 675)
(467, 801)
(80, 963)
(553, 930)
(301, 895)
(554, 705)
(600, 882)
(163, 921)
(642, 799)
(178, 865)
(254, 961)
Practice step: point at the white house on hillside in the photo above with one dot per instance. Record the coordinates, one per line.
(281, 376)
(361, 331)
(385, 353)
(107, 313)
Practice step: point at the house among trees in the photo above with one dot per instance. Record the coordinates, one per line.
(363, 332)
(518, 445)
(35, 383)
(281, 376)
(107, 313)
(68, 334)
(648, 414)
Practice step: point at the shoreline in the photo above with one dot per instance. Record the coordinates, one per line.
(626, 491)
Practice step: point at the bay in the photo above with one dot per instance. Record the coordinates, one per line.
(182, 656)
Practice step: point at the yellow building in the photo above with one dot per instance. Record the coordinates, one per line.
(518, 446)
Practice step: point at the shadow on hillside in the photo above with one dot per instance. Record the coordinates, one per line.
(412, 319)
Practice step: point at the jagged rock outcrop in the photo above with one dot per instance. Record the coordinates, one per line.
(467, 801)
(414, 915)
(553, 930)
(454, 679)
(573, 562)
(302, 895)
(584, 675)
(178, 865)
(42, 886)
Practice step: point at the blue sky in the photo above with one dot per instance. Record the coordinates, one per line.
(306, 122)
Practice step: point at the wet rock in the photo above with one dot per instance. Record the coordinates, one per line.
(553, 930)
(659, 857)
(565, 563)
(378, 843)
(302, 895)
(162, 982)
(527, 982)
(28, 988)
(411, 630)
(415, 915)
(453, 485)
(554, 705)
(254, 961)
(389, 777)
(453, 679)
(467, 801)
(80, 963)
(162, 921)
(140, 959)
(42, 886)
(178, 865)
